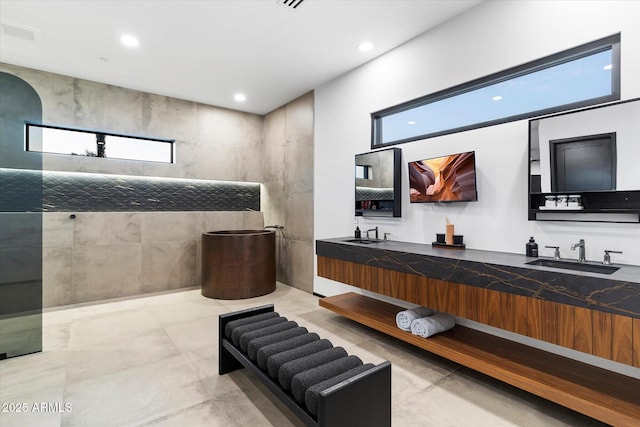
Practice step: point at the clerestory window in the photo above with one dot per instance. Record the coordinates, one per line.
(84, 142)
(578, 77)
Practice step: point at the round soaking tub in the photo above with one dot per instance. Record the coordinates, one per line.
(238, 264)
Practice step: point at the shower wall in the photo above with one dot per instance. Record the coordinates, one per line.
(287, 194)
(212, 143)
(157, 251)
(103, 255)
(115, 250)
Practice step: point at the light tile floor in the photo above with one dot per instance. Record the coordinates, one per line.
(152, 361)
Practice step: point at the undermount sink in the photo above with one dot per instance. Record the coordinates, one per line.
(364, 241)
(568, 265)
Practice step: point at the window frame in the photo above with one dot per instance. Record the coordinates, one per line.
(611, 42)
(98, 134)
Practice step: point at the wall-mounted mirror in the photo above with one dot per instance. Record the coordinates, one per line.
(586, 161)
(378, 183)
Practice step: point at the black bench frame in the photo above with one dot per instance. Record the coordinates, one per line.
(362, 400)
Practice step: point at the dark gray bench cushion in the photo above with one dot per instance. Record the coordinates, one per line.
(302, 381)
(250, 335)
(237, 331)
(229, 327)
(277, 360)
(290, 369)
(257, 343)
(269, 350)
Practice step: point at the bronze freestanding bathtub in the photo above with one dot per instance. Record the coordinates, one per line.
(238, 264)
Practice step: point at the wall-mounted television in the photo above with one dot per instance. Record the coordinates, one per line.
(443, 179)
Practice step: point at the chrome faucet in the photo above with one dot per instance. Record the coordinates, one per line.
(580, 246)
(372, 229)
(556, 253)
(607, 257)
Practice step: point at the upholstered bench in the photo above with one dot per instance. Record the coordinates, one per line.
(321, 384)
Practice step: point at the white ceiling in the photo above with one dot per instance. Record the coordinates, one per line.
(208, 50)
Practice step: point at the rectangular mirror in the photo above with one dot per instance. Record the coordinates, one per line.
(589, 154)
(377, 189)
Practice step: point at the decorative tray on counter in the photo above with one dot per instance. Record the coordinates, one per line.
(446, 246)
(560, 208)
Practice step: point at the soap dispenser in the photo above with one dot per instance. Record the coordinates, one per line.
(357, 233)
(532, 248)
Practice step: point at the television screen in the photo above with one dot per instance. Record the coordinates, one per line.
(444, 179)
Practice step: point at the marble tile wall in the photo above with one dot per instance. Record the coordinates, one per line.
(103, 255)
(211, 143)
(287, 193)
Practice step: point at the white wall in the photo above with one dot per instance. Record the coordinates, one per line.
(489, 38)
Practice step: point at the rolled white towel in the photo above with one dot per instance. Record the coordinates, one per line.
(427, 326)
(404, 318)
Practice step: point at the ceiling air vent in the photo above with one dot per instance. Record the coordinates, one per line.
(290, 4)
(19, 30)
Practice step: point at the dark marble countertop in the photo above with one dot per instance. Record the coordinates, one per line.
(617, 293)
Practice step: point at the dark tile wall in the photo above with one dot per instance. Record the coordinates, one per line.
(84, 192)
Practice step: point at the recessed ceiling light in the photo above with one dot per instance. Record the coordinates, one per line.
(365, 47)
(129, 40)
(608, 67)
(411, 122)
(240, 97)
(497, 98)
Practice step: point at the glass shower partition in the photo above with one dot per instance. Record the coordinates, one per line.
(20, 222)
